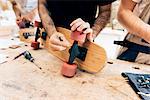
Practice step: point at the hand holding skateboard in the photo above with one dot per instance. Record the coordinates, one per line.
(89, 57)
(58, 41)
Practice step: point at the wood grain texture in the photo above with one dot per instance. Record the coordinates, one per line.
(95, 58)
(31, 31)
(22, 80)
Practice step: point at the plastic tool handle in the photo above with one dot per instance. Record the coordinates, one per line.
(28, 56)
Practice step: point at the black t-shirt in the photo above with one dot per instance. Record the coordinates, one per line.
(63, 12)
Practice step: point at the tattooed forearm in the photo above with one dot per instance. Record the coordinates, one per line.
(102, 19)
(47, 22)
(16, 8)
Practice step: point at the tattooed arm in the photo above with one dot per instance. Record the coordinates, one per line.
(102, 19)
(57, 40)
(47, 22)
(100, 22)
(16, 7)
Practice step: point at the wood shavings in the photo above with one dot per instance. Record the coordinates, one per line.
(14, 46)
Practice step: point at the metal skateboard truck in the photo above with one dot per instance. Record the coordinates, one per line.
(35, 44)
(69, 68)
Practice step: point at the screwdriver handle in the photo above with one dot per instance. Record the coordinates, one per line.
(28, 56)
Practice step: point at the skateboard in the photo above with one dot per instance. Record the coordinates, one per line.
(31, 35)
(27, 34)
(91, 57)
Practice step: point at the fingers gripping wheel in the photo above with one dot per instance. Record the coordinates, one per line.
(78, 36)
(35, 45)
(21, 25)
(25, 24)
(68, 70)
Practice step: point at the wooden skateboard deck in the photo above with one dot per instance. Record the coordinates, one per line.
(95, 58)
(28, 31)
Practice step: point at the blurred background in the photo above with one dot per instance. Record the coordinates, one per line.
(113, 30)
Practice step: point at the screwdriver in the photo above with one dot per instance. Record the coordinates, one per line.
(19, 55)
(28, 56)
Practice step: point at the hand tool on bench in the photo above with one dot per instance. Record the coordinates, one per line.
(28, 56)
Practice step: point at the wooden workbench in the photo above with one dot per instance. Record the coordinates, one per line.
(22, 80)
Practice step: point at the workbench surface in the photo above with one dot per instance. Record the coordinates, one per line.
(22, 80)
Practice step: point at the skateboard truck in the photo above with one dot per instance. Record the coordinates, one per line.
(69, 68)
(44, 35)
(77, 52)
(39, 24)
(35, 44)
(27, 35)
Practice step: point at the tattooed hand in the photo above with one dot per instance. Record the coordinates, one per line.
(102, 19)
(82, 26)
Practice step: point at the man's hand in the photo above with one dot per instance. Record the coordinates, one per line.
(18, 20)
(58, 41)
(21, 21)
(28, 17)
(83, 27)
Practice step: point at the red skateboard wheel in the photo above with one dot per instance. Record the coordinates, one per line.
(78, 36)
(68, 70)
(37, 24)
(21, 25)
(35, 45)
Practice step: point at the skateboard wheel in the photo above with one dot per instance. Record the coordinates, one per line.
(78, 36)
(21, 25)
(37, 24)
(68, 70)
(35, 45)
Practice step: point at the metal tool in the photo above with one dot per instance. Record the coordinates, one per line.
(19, 55)
(28, 56)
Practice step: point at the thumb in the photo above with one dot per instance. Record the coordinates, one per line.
(64, 41)
(90, 37)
